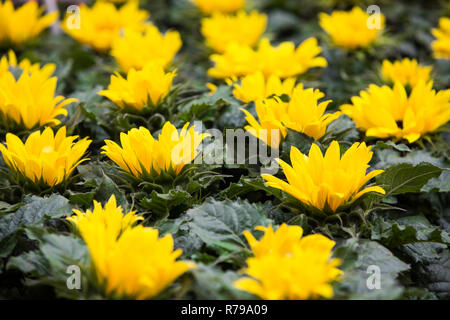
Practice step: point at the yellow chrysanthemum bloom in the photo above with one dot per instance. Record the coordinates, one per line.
(45, 157)
(139, 265)
(142, 156)
(8, 62)
(221, 29)
(236, 61)
(328, 181)
(29, 101)
(288, 266)
(106, 223)
(441, 46)
(255, 87)
(129, 262)
(303, 113)
(102, 23)
(24, 23)
(283, 61)
(223, 6)
(385, 112)
(136, 49)
(351, 29)
(142, 88)
(406, 71)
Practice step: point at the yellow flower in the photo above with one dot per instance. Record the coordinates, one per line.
(405, 71)
(329, 180)
(10, 62)
(102, 23)
(286, 61)
(139, 264)
(30, 101)
(23, 24)
(142, 155)
(143, 88)
(255, 87)
(302, 113)
(136, 49)
(106, 223)
(211, 87)
(129, 262)
(44, 158)
(237, 60)
(441, 46)
(351, 29)
(288, 266)
(220, 29)
(224, 6)
(283, 61)
(385, 112)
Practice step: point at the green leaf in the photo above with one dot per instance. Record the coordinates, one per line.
(106, 189)
(212, 283)
(297, 139)
(358, 255)
(430, 266)
(406, 178)
(161, 203)
(83, 199)
(35, 212)
(32, 262)
(408, 230)
(220, 223)
(56, 253)
(342, 129)
(436, 275)
(386, 158)
(439, 184)
(248, 185)
(62, 251)
(389, 144)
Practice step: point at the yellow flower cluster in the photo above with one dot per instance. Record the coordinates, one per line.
(27, 94)
(406, 71)
(385, 112)
(352, 29)
(284, 60)
(329, 181)
(44, 158)
(286, 265)
(441, 46)
(135, 49)
(143, 156)
(223, 6)
(303, 113)
(133, 41)
(220, 30)
(24, 23)
(143, 88)
(130, 262)
(99, 25)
